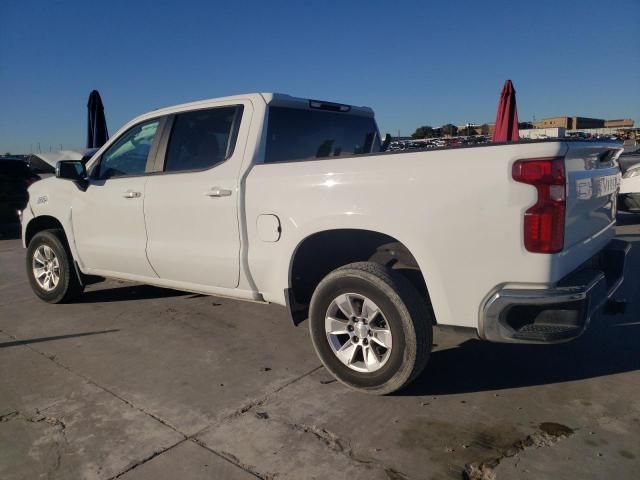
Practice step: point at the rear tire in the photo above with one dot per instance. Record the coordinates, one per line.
(390, 347)
(50, 268)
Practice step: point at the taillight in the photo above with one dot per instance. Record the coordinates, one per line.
(544, 221)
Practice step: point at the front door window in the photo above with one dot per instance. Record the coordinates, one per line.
(128, 156)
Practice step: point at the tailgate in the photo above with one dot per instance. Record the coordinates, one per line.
(593, 180)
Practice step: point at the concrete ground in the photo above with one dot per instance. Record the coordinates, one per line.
(136, 382)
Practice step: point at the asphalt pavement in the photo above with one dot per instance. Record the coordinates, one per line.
(137, 382)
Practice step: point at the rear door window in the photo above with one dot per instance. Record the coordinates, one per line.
(297, 134)
(202, 138)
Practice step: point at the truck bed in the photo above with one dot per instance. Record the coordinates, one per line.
(458, 211)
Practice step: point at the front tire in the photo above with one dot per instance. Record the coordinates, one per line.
(50, 268)
(370, 327)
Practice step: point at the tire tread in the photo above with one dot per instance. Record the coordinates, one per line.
(417, 308)
(72, 286)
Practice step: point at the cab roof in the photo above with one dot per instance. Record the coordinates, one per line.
(277, 99)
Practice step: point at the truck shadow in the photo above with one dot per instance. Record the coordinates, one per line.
(16, 343)
(128, 292)
(475, 366)
(609, 346)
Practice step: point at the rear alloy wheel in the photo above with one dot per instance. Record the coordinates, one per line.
(50, 268)
(370, 327)
(358, 332)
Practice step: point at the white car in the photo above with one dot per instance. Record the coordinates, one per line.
(629, 198)
(287, 200)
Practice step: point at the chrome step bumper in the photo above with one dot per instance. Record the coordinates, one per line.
(556, 314)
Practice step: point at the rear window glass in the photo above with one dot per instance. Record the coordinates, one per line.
(296, 134)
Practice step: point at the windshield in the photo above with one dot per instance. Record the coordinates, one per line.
(296, 134)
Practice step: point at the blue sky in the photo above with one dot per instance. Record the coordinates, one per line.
(415, 63)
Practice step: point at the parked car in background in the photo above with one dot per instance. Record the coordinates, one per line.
(15, 178)
(629, 158)
(272, 198)
(629, 196)
(44, 163)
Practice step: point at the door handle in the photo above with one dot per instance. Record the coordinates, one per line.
(217, 192)
(131, 194)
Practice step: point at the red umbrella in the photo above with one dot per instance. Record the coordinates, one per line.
(506, 129)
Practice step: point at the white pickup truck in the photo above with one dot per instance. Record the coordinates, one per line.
(272, 198)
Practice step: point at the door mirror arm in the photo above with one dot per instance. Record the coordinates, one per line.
(82, 184)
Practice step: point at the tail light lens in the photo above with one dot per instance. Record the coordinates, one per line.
(544, 221)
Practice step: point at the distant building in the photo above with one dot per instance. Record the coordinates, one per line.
(570, 123)
(476, 129)
(619, 123)
(583, 122)
(553, 122)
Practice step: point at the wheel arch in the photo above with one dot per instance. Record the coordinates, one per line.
(323, 251)
(40, 223)
(49, 222)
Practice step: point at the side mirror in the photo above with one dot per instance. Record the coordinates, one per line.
(71, 170)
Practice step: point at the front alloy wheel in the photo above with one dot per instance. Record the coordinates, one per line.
(50, 267)
(46, 268)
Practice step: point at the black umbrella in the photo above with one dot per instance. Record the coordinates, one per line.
(97, 133)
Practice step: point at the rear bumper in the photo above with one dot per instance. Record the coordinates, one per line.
(559, 313)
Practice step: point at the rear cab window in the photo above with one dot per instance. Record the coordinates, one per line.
(304, 134)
